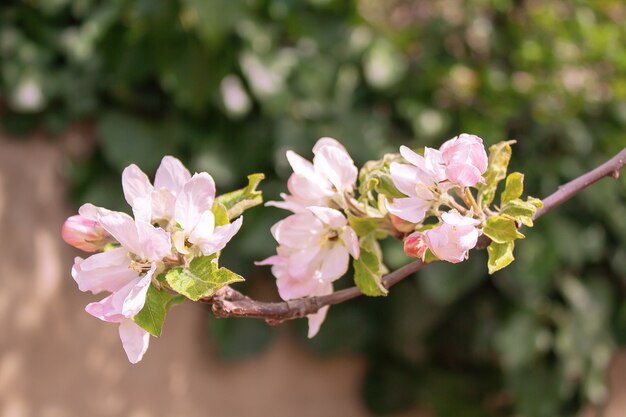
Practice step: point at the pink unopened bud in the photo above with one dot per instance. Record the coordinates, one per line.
(465, 159)
(85, 234)
(415, 245)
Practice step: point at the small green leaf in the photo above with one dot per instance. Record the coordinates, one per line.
(502, 229)
(499, 156)
(220, 213)
(152, 315)
(500, 255)
(375, 177)
(201, 279)
(363, 226)
(520, 211)
(236, 202)
(535, 202)
(368, 269)
(513, 189)
(429, 257)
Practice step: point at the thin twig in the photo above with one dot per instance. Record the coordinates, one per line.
(231, 303)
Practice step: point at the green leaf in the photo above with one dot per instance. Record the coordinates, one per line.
(375, 177)
(363, 226)
(201, 279)
(520, 211)
(513, 189)
(368, 269)
(500, 255)
(220, 213)
(502, 229)
(535, 202)
(152, 315)
(499, 157)
(236, 202)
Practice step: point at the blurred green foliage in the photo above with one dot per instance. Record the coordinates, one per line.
(228, 86)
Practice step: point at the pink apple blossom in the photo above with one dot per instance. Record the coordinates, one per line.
(419, 181)
(126, 273)
(314, 250)
(453, 238)
(177, 198)
(182, 204)
(465, 159)
(322, 182)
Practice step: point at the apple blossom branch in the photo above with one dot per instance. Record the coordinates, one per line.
(228, 302)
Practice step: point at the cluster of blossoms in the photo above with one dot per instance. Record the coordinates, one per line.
(316, 242)
(427, 181)
(438, 203)
(173, 222)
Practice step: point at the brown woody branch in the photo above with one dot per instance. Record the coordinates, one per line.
(231, 303)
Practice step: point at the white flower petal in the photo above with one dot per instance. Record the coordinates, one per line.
(300, 230)
(333, 218)
(106, 271)
(220, 237)
(335, 263)
(171, 175)
(351, 242)
(336, 165)
(410, 209)
(195, 198)
(204, 229)
(404, 177)
(135, 184)
(154, 242)
(122, 227)
(316, 320)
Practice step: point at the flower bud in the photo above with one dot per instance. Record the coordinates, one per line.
(85, 234)
(415, 245)
(465, 159)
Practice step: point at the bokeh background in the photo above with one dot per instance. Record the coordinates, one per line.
(89, 86)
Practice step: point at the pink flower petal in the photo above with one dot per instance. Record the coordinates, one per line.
(335, 263)
(135, 340)
(171, 175)
(454, 218)
(135, 184)
(404, 177)
(463, 174)
(135, 299)
(220, 237)
(204, 229)
(105, 310)
(316, 320)
(333, 218)
(106, 271)
(304, 263)
(300, 230)
(92, 212)
(122, 227)
(410, 209)
(335, 164)
(326, 141)
(351, 242)
(195, 198)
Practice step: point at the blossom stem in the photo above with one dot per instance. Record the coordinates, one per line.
(231, 303)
